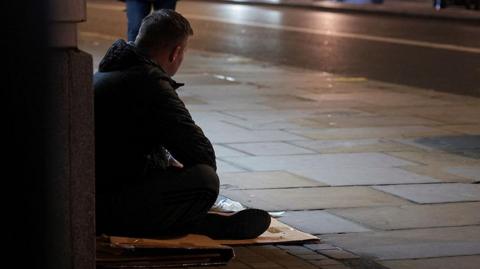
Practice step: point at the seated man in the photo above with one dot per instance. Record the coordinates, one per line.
(155, 168)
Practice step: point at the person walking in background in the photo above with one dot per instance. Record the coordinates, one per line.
(139, 9)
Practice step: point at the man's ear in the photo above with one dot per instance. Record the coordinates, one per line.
(174, 54)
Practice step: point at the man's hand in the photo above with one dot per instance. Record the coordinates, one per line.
(172, 161)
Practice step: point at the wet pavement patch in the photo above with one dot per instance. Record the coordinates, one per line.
(465, 145)
(321, 222)
(434, 193)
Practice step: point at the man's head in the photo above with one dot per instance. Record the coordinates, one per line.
(164, 36)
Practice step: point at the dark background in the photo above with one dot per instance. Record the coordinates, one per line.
(25, 96)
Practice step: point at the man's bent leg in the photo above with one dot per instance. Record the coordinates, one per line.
(168, 203)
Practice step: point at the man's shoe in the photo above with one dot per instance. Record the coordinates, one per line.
(245, 224)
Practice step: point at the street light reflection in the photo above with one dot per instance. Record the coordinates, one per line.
(241, 13)
(269, 1)
(328, 22)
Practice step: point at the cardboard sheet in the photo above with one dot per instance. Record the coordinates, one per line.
(184, 251)
(120, 252)
(277, 233)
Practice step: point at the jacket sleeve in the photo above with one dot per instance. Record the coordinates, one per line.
(176, 130)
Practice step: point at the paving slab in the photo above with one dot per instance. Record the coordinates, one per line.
(261, 180)
(332, 266)
(242, 99)
(312, 198)
(281, 124)
(471, 172)
(289, 80)
(190, 100)
(371, 132)
(212, 104)
(328, 263)
(460, 262)
(288, 98)
(358, 175)
(230, 72)
(321, 246)
(320, 222)
(338, 254)
(297, 250)
(271, 115)
(227, 167)
(451, 143)
(204, 79)
(436, 158)
(331, 90)
(474, 154)
(311, 104)
(334, 104)
(320, 161)
(340, 111)
(447, 114)
(222, 151)
(435, 193)
(266, 257)
(229, 97)
(437, 172)
(219, 105)
(304, 117)
(243, 135)
(354, 146)
(451, 118)
(270, 148)
(471, 129)
(373, 121)
(219, 92)
(389, 98)
(254, 256)
(410, 244)
(413, 216)
(211, 127)
(463, 145)
(212, 120)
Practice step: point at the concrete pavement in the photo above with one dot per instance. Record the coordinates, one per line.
(385, 175)
(405, 8)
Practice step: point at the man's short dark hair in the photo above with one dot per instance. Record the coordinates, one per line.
(164, 28)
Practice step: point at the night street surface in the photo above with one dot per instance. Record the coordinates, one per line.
(429, 54)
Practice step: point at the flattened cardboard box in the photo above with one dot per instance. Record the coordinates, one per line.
(187, 250)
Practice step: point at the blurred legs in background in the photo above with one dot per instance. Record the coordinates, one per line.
(139, 9)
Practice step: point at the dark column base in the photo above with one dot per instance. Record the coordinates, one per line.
(70, 184)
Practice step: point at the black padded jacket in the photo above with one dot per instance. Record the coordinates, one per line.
(137, 114)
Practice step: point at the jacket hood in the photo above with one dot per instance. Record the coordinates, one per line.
(122, 55)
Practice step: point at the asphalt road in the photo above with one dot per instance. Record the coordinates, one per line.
(429, 54)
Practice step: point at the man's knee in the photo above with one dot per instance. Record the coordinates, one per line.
(206, 177)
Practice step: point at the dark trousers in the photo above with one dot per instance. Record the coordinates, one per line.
(139, 9)
(167, 203)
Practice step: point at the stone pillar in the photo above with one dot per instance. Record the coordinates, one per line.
(70, 199)
(47, 180)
